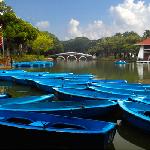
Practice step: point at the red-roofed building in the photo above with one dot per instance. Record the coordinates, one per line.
(144, 52)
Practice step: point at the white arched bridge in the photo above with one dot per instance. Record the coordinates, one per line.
(74, 56)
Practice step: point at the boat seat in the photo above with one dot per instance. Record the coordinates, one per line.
(58, 125)
(19, 120)
(67, 126)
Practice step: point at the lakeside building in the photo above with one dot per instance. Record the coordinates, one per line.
(144, 52)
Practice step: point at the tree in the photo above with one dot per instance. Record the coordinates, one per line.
(42, 43)
(79, 44)
(146, 34)
(17, 32)
(58, 46)
(118, 45)
(4, 8)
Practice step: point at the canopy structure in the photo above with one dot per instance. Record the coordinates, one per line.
(144, 42)
(144, 52)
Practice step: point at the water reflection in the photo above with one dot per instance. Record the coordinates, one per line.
(17, 90)
(132, 72)
(4, 85)
(134, 135)
(121, 66)
(143, 68)
(140, 70)
(77, 64)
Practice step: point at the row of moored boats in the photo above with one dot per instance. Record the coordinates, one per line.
(65, 113)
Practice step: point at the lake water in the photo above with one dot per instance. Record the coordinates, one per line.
(132, 72)
(127, 137)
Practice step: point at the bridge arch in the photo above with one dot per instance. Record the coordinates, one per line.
(73, 56)
(83, 57)
(60, 57)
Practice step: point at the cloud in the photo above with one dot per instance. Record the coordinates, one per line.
(130, 15)
(43, 25)
(94, 30)
(73, 28)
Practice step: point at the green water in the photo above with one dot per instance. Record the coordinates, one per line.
(132, 72)
(127, 137)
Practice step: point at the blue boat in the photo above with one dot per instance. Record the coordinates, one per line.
(47, 85)
(134, 95)
(138, 114)
(7, 75)
(133, 136)
(108, 81)
(120, 62)
(17, 127)
(83, 109)
(4, 95)
(26, 99)
(33, 64)
(127, 86)
(121, 91)
(49, 88)
(85, 94)
(60, 75)
(12, 71)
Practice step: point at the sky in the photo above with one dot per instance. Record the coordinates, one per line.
(93, 19)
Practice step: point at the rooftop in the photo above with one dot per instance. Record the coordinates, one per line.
(144, 42)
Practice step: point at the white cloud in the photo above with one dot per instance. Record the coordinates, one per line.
(43, 25)
(73, 28)
(94, 30)
(130, 15)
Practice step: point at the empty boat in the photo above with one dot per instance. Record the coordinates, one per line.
(17, 127)
(138, 114)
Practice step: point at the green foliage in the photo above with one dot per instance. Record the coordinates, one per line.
(119, 45)
(79, 44)
(146, 34)
(28, 58)
(21, 37)
(47, 43)
(17, 33)
(42, 43)
(4, 8)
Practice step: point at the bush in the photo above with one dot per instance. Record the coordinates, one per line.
(28, 58)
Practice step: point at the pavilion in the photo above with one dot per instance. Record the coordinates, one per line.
(144, 52)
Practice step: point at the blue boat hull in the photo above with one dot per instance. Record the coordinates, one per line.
(82, 109)
(26, 99)
(134, 113)
(86, 94)
(4, 95)
(137, 122)
(60, 131)
(31, 139)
